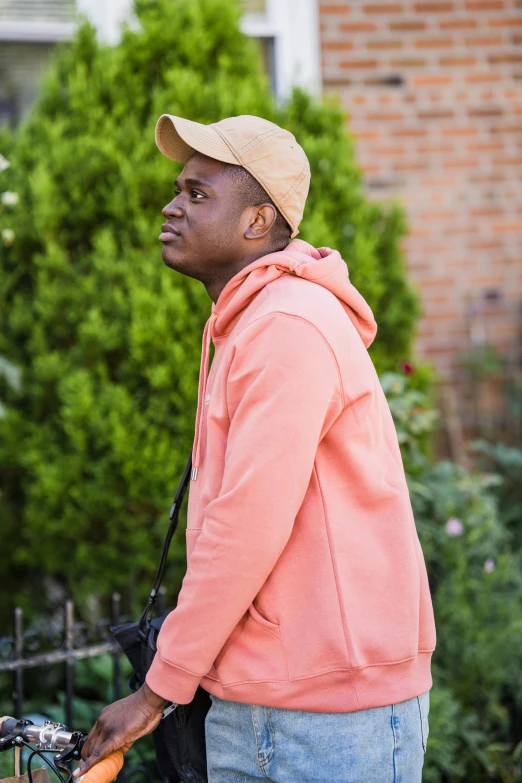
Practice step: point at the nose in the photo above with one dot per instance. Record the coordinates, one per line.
(172, 209)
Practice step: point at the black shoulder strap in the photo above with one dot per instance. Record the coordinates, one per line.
(173, 515)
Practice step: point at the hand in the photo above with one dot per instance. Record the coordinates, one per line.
(120, 725)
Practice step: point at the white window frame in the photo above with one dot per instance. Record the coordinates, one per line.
(294, 27)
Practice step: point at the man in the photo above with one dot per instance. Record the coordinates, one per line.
(305, 610)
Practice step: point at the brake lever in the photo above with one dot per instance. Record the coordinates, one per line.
(73, 750)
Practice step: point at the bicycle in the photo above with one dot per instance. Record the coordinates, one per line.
(54, 738)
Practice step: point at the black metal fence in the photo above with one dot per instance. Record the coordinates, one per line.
(67, 644)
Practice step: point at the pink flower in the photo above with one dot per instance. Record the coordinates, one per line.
(489, 565)
(407, 368)
(454, 527)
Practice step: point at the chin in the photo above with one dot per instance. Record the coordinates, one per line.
(176, 261)
(171, 258)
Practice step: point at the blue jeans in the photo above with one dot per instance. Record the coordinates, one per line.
(381, 745)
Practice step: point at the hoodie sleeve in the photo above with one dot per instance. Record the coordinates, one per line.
(283, 394)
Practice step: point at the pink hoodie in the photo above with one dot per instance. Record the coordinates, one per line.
(305, 586)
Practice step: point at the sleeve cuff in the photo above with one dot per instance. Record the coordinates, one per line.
(172, 683)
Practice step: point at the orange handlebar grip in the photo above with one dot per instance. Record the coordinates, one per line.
(105, 771)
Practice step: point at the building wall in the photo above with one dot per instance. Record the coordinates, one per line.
(433, 94)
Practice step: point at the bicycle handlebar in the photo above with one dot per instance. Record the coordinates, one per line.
(55, 737)
(48, 736)
(7, 725)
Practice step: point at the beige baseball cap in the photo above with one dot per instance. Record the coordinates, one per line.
(270, 153)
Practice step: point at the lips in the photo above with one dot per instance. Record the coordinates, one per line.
(168, 233)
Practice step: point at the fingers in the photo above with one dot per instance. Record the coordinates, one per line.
(119, 725)
(98, 754)
(91, 741)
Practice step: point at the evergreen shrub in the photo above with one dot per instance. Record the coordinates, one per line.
(108, 339)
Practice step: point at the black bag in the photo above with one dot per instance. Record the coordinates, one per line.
(179, 739)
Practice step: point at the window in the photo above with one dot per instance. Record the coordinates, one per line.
(289, 35)
(29, 29)
(268, 54)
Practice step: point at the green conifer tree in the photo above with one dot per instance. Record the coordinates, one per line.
(107, 339)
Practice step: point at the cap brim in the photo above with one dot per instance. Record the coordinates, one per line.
(178, 139)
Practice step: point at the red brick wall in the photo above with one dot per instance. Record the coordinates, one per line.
(433, 94)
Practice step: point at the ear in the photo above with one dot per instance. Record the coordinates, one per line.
(260, 221)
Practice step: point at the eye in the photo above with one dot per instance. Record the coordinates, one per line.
(196, 195)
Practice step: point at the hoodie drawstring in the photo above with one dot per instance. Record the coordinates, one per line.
(202, 388)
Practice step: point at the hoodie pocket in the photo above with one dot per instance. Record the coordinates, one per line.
(258, 617)
(252, 653)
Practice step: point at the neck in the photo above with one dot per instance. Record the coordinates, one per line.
(216, 285)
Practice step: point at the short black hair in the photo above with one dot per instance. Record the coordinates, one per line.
(251, 194)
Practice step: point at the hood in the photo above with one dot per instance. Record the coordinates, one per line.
(322, 266)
